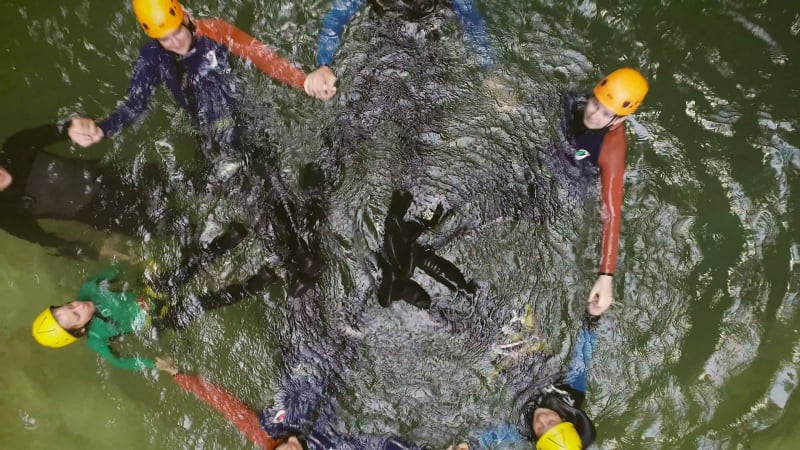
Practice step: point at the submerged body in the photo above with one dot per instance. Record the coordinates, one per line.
(47, 186)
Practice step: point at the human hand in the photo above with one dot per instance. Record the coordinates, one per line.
(166, 365)
(321, 83)
(601, 295)
(108, 251)
(461, 446)
(84, 131)
(502, 91)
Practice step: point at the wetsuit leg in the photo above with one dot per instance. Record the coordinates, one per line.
(412, 293)
(182, 314)
(197, 257)
(398, 247)
(443, 271)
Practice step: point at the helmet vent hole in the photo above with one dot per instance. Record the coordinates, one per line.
(626, 104)
(603, 83)
(172, 11)
(144, 25)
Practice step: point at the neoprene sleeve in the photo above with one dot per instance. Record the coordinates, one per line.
(612, 182)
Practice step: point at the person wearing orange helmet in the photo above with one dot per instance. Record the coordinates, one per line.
(191, 58)
(595, 128)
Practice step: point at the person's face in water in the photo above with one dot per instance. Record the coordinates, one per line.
(596, 116)
(178, 42)
(74, 316)
(5, 179)
(291, 444)
(543, 420)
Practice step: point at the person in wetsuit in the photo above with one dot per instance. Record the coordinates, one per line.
(192, 59)
(401, 255)
(104, 315)
(321, 83)
(304, 411)
(36, 184)
(596, 131)
(553, 418)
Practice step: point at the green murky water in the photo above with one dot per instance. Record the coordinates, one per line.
(703, 351)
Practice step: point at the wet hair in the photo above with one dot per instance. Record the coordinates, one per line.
(561, 402)
(300, 439)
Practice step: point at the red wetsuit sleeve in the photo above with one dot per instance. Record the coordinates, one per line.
(231, 407)
(612, 180)
(245, 46)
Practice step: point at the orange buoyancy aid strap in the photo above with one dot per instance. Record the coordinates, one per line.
(612, 181)
(245, 46)
(245, 419)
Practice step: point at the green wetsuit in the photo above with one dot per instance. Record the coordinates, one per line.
(118, 313)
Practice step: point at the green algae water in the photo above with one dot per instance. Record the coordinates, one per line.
(702, 350)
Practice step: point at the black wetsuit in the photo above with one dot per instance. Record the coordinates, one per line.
(401, 255)
(47, 186)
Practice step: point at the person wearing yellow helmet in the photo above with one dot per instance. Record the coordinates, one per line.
(102, 314)
(191, 58)
(552, 417)
(595, 130)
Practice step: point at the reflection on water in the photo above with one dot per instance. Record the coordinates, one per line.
(701, 351)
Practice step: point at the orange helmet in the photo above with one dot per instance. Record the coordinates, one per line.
(158, 18)
(622, 91)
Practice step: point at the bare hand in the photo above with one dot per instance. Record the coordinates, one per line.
(107, 250)
(503, 93)
(167, 365)
(602, 295)
(84, 131)
(321, 83)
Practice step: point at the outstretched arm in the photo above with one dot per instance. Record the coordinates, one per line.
(245, 46)
(578, 368)
(20, 148)
(475, 27)
(143, 83)
(330, 36)
(127, 363)
(321, 83)
(29, 230)
(612, 180)
(245, 419)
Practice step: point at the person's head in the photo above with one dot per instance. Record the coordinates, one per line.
(615, 97)
(165, 21)
(59, 326)
(292, 443)
(557, 425)
(5, 179)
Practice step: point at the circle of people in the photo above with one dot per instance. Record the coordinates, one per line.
(191, 57)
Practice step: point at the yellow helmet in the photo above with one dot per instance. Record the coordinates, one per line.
(47, 331)
(158, 18)
(622, 91)
(561, 437)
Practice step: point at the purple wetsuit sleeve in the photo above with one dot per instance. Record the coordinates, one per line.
(146, 76)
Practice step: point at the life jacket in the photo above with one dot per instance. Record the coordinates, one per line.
(408, 9)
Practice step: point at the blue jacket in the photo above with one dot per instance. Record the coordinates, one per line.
(343, 11)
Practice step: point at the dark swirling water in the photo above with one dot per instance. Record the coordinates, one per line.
(701, 351)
